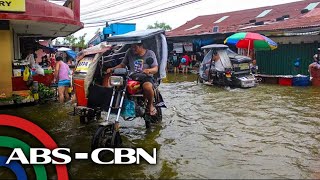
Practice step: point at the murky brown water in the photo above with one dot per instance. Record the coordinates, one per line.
(207, 132)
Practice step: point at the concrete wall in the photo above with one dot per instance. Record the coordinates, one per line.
(6, 58)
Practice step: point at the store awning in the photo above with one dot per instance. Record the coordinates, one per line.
(44, 19)
(42, 29)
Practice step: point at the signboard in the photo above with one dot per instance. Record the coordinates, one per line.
(83, 65)
(178, 47)
(188, 47)
(13, 5)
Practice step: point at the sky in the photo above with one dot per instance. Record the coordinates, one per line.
(175, 17)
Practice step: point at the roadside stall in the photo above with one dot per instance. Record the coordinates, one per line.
(35, 58)
(24, 66)
(31, 69)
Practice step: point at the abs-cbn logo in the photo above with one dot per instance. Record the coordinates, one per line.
(62, 156)
(22, 153)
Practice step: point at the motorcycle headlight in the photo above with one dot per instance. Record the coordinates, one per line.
(116, 81)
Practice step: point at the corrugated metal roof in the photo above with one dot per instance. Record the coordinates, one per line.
(240, 20)
(297, 23)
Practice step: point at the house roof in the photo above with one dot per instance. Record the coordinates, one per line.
(310, 20)
(240, 20)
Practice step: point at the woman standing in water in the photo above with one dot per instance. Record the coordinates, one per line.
(61, 75)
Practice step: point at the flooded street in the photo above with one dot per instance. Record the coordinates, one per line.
(269, 131)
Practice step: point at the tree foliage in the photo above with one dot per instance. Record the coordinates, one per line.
(161, 25)
(71, 40)
(81, 41)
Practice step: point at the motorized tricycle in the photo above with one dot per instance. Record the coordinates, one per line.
(233, 71)
(124, 98)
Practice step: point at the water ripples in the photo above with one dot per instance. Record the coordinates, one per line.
(264, 132)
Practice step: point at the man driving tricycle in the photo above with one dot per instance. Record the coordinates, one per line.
(142, 64)
(131, 84)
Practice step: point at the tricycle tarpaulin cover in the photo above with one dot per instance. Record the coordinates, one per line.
(207, 59)
(98, 50)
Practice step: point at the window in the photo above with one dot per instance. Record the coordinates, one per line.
(264, 13)
(194, 27)
(221, 19)
(215, 29)
(311, 6)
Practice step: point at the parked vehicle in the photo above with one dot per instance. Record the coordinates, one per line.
(221, 66)
(124, 99)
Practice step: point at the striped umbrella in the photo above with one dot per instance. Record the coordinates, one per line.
(248, 40)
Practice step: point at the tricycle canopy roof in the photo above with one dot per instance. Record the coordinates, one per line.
(100, 48)
(215, 46)
(134, 36)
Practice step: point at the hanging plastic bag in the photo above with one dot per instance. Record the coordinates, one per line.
(128, 109)
(26, 73)
(39, 69)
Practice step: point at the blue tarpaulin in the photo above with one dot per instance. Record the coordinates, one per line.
(71, 54)
(202, 42)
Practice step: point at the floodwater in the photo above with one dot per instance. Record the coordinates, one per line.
(207, 132)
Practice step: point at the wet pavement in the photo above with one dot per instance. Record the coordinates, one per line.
(269, 131)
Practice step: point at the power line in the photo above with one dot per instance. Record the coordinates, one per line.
(95, 2)
(139, 16)
(138, 11)
(103, 8)
(119, 11)
(133, 15)
(97, 15)
(105, 4)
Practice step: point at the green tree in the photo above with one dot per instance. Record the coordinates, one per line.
(81, 41)
(70, 40)
(74, 41)
(161, 25)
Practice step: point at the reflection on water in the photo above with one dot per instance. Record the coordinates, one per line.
(207, 132)
(178, 78)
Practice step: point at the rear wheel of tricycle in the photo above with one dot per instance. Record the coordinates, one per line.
(106, 137)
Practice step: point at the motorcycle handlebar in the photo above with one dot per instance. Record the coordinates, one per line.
(113, 70)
